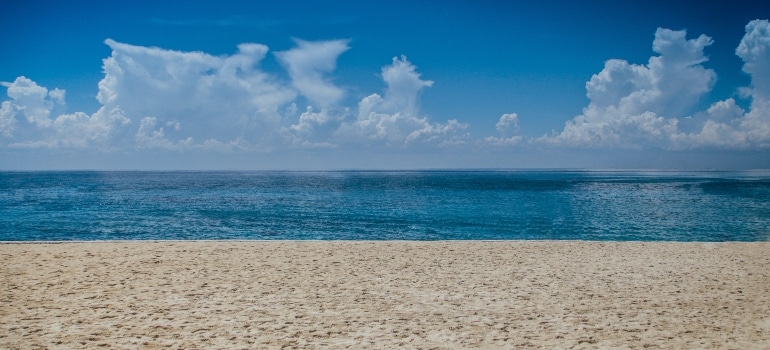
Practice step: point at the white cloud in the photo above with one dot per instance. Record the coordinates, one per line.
(307, 64)
(503, 141)
(396, 119)
(404, 87)
(187, 101)
(153, 98)
(629, 101)
(224, 99)
(725, 111)
(728, 126)
(634, 106)
(195, 95)
(26, 121)
(508, 126)
(79, 130)
(8, 112)
(33, 101)
(668, 85)
(149, 137)
(315, 129)
(754, 49)
(207, 97)
(678, 74)
(508, 123)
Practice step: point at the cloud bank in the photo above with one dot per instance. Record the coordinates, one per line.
(164, 100)
(153, 98)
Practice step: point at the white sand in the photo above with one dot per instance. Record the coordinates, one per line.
(385, 294)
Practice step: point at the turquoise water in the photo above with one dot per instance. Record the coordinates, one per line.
(381, 205)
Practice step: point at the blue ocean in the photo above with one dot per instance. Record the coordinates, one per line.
(386, 205)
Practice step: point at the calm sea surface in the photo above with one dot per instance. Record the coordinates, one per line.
(379, 205)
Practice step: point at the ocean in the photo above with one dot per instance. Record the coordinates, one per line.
(708, 206)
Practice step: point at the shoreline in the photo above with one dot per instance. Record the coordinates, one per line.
(118, 241)
(413, 294)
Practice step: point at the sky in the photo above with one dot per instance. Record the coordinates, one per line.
(242, 85)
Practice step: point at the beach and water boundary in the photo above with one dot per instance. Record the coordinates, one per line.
(376, 259)
(385, 294)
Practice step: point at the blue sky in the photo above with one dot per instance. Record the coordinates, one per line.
(353, 84)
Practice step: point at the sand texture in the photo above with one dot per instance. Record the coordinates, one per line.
(244, 295)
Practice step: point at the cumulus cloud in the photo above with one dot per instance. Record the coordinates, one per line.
(150, 135)
(508, 127)
(315, 129)
(396, 119)
(728, 126)
(754, 49)
(35, 103)
(154, 98)
(629, 101)
(27, 120)
(308, 63)
(508, 123)
(208, 97)
(647, 106)
(404, 87)
(669, 84)
(8, 113)
(392, 120)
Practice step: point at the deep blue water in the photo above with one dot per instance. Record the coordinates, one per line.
(379, 205)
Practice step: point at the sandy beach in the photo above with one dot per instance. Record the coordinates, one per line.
(473, 294)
